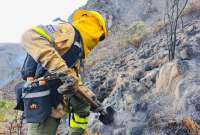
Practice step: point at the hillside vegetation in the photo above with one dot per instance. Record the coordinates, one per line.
(131, 70)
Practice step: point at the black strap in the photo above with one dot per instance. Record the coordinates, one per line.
(75, 53)
(81, 42)
(82, 47)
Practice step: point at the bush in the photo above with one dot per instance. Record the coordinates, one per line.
(137, 33)
(6, 109)
(6, 104)
(159, 26)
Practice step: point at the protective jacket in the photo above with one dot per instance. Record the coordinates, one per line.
(59, 49)
(72, 57)
(55, 47)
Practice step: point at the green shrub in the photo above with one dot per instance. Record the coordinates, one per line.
(137, 33)
(6, 110)
(6, 104)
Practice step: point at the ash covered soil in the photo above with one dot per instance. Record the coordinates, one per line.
(130, 71)
(151, 95)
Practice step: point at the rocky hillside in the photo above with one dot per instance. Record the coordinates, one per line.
(151, 95)
(130, 70)
(126, 12)
(11, 58)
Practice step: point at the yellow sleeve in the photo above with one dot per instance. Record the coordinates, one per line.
(45, 53)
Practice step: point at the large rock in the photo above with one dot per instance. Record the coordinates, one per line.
(151, 95)
(168, 79)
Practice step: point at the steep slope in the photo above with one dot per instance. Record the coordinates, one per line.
(151, 95)
(148, 92)
(130, 71)
(11, 58)
(128, 11)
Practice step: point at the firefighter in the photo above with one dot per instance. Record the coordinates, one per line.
(60, 49)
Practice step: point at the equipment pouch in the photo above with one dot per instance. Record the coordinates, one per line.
(19, 100)
(37, 106)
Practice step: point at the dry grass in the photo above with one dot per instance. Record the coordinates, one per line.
(137, 33)
(159, 26)
(191, 125)
(107, 49)
(192, 7)
(6, 110)
(6, 114)
(115, 43)
(88, 133)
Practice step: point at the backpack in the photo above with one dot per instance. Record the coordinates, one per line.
(35, 100)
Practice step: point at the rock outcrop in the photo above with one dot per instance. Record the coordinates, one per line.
(149, 93)
(130, 71)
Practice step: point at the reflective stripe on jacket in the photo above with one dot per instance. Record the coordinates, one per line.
(58, 56)
(73, 54)
(71, 57)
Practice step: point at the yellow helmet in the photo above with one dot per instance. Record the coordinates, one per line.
(82, 12)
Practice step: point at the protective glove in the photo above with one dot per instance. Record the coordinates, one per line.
(29, 80)
(69, 84)
(30, 84)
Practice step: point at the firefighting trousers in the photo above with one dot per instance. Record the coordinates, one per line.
(77, 123)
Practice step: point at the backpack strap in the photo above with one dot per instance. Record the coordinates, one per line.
(75, 52)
